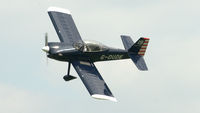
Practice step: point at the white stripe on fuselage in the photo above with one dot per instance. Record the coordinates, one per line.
(66, 49)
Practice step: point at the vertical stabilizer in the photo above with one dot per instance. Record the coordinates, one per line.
(140, 46)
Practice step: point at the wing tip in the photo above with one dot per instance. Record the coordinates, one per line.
(57, 9)
(104, 97)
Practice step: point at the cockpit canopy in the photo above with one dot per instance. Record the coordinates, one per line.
(90, 46)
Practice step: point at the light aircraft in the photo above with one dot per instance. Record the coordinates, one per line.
(82, 54)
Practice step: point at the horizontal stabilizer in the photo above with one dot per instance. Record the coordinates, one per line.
(139, 62)
(127, 41)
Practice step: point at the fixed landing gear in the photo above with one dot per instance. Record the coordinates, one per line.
(69, 77)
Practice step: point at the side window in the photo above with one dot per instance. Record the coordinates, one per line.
(78, 46)
(94, 48)
(90, 46)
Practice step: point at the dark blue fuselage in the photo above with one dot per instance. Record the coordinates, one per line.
(73, 54)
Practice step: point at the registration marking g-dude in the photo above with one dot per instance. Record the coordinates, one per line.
(111, 57)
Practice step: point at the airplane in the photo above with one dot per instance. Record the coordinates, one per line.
(83, 54)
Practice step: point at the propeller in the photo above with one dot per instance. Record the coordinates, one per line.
(46, 39)
(46, 48)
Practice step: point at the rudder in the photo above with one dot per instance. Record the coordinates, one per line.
(140, 46)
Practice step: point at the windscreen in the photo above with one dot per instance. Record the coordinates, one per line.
(90, 46)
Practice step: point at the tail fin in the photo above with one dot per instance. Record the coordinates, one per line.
(136, 50)
(140, 46)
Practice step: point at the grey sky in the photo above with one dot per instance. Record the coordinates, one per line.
(28, 85)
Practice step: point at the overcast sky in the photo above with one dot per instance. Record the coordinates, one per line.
(172, 84)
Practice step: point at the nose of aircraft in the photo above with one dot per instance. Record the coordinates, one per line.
(45, 48)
